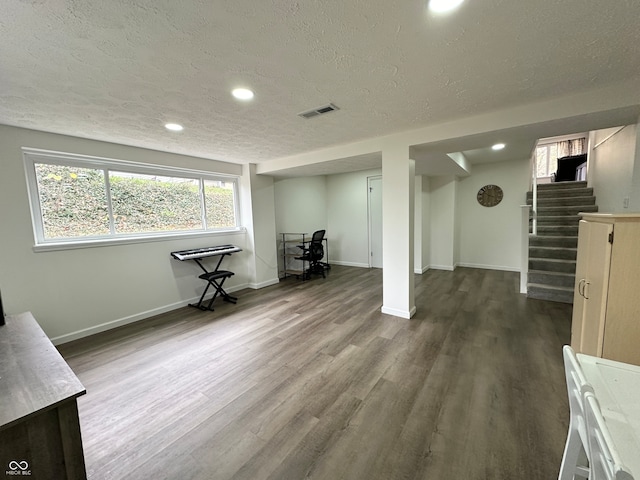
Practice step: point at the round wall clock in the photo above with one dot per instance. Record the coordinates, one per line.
(490, 195)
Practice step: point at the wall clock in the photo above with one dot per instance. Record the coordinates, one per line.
(490, 195)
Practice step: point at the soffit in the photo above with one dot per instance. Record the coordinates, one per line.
(118, 70)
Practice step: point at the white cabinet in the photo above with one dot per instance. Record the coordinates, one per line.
(606, 306)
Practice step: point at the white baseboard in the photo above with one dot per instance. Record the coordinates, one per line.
(350, 264)
(489, 267)
(266, 283)
(418, 271)
(103, 327)
(449, 268)
(399, 313)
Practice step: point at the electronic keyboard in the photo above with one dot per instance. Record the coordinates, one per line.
(205, 252)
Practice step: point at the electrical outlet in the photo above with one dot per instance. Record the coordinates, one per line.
(625, 202)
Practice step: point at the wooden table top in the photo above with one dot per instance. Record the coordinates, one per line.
(33, 375)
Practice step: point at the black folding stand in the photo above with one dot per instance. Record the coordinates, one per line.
(216, 279)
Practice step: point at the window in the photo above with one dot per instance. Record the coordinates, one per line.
(547, 154)
(546, 160)
(77, 199)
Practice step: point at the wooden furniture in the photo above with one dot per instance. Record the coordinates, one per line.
(606, 305)
(39, 426)
(616, 386)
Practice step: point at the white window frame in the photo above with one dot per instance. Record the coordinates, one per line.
(547, 147)
(548, 142)
(32, 156)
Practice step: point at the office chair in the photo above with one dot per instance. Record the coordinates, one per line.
(313, 254)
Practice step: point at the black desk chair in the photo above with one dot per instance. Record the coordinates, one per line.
(313, 254)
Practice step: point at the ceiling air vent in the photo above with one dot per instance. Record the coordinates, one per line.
(330, 107)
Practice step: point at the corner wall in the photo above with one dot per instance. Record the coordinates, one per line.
(611, 167)
(338, 202)
(73, 293)
(347, 212)
(490, 236)
(442, 209)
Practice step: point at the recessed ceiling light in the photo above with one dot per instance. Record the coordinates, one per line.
(443, 6)
(498, 146)
(242, 93)
(174, 127)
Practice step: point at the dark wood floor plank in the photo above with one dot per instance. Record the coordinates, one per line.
(311, 450)
(310, 380)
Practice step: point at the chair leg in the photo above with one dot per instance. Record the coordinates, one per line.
(574, 459)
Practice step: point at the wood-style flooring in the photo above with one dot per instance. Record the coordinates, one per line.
(309, 380)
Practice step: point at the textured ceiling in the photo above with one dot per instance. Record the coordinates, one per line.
(118, 70)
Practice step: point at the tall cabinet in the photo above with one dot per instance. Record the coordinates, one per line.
(606, 305)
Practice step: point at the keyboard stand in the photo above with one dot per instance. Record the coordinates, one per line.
(216, 279)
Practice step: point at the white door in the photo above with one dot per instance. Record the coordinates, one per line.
(374, 184)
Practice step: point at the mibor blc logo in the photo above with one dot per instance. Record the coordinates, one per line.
(18, 468)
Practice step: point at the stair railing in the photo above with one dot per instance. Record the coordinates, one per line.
(529, 217)
(524, 248)
(534, 199)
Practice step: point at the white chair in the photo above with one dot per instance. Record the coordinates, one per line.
(605, 463)
(575, 460)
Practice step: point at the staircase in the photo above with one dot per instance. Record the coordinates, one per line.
(552, 252)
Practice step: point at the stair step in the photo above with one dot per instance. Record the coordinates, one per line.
(568, 241)
(563, 201)
(551, 293)
(561, 185)
(565, 210)
(560, 253)
(568, 220)
(552, 265)
(568, 192)
(557, 279)
(545, 229)
(553, 250)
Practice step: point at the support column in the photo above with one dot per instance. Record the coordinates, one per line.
(398, 203)
(258, 214)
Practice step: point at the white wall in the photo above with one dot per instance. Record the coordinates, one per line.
(335, 202)
(81, 291)
(422, 228)
(442, 195)
(611, 166)
(301, 204)
(347, 213)
(425, 247)
(490, 236)
(301, 207)
(634, 205)
(258, 213)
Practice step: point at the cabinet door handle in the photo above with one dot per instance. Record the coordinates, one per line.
(584, 290)
(580, 287)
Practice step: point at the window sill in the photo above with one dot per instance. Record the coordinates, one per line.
(108, 242)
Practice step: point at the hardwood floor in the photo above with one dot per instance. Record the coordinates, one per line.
(310, 380)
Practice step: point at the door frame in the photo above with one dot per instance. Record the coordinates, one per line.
(369, 218)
